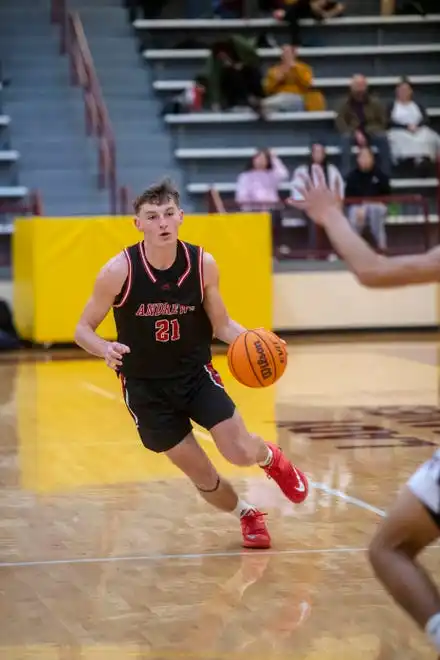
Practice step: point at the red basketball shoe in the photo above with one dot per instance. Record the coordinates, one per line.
(292, 482)
(254, 530)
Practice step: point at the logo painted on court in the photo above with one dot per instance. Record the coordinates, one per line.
(380, 427)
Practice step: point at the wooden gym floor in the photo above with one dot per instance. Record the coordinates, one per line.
(107, 554)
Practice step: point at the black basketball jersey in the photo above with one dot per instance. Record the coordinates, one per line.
(160, 315)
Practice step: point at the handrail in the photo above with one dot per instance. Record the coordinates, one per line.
(125, 197)
(217, 205)
(32, 205)
(73, 41)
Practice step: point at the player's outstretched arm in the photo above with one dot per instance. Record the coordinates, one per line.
(223, 326)
(370, 268)
(108, 285)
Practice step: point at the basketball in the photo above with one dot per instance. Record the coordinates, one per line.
(257, 358)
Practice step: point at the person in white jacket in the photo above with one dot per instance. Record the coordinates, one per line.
(333, 177)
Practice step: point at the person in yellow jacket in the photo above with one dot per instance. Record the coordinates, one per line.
(289, 85)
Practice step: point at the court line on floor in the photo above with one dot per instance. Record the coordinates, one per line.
(318, 486)
(348, 498)
(198, 555)
(100, 390)
(324, 488)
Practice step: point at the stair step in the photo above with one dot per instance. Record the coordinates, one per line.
(59, 159)
(48, 113)
(37, 46)
(47, 77)
(56, 95)
(40, 60)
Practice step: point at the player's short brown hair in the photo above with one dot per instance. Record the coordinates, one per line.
(159, 193)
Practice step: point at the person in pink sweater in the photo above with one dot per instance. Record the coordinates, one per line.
(257, 186)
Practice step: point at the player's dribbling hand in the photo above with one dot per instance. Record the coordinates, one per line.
(281, 340)
(114, 354)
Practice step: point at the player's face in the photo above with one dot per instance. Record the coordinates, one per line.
(160, 224)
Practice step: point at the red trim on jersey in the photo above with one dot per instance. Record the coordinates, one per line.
(183, 277)
(145, 262)
(129, 281)
(202, 280)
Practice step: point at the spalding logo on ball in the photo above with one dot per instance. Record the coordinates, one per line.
(257, 358)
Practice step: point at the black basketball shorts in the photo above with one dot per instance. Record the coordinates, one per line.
(162, 409)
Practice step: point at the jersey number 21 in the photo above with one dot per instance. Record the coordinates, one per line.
(167, 330)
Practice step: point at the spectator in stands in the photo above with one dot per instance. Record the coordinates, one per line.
(257, 186)
(296, 10)
(421, 7)
(362, 120)
(288, 85)
(411, 139)
(191, 99)
(366, 181)
(227, 8)
(233, 75)
(334, 180)
(318, 156)
(150, 8)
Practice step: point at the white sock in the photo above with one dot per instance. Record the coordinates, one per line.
(432, 629)
(267, 461)
(242, 508)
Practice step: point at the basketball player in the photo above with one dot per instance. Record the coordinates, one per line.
(167, 306)
(414, 520)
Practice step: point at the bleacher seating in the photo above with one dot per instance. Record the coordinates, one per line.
(212, 148)
(10, 190)
(351, 30)
(426, 87)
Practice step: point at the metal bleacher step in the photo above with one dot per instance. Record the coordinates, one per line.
(229, 187)
(161, 54)
(374, 81)
(246, 23)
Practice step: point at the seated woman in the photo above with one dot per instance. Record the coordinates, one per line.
(410, 137)
(257, 185)
(257, 188)
(334, 180)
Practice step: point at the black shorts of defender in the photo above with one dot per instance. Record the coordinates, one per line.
(162, 409)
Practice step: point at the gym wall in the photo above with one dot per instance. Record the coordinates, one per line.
(56, 261)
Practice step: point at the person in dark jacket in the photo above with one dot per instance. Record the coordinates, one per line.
(367, 181)
(233, 75)
(296, 10)
(362, 121)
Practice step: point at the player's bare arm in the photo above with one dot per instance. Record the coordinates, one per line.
(224, 327)
(108, 285)
(370, 268)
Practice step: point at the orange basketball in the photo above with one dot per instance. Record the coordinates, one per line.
(257, 358)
